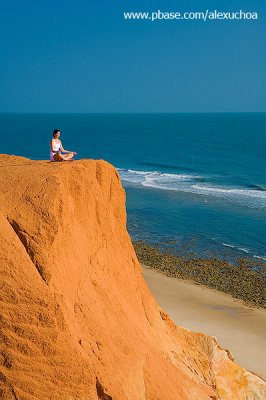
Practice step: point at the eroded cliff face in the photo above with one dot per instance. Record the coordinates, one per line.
(77, 319)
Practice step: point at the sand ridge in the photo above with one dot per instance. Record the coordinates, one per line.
(77, 318)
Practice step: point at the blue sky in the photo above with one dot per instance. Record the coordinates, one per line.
(84, 57)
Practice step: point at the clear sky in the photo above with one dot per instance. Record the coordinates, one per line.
(82, 56)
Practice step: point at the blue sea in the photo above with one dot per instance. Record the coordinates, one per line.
(195, 183)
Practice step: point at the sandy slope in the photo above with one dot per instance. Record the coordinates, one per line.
(77, 318)
(237, 327)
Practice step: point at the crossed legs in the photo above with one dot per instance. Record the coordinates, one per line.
(63, 157)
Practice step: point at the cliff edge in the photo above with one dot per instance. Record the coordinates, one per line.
(77, 320)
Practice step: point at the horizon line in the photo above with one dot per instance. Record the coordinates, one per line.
(133, 112)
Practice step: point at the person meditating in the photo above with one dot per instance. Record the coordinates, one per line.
(57, 151)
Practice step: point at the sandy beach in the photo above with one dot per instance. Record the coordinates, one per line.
(237, 327)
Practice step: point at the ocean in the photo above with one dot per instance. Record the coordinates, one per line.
(195, 183)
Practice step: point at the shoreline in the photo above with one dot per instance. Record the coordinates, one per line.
(241, 282)
(237, 327)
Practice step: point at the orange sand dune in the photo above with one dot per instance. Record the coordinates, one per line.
(78, 321)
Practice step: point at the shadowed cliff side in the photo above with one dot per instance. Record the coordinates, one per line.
(77, 319)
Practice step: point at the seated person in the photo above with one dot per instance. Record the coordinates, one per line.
(57, 151)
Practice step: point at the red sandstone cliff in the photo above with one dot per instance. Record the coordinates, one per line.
(77, 320)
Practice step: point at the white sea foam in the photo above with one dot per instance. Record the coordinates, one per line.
(260, 257)
(228, 245)
(245, 250)
(131, 175)
(192, 184)
(231, 192)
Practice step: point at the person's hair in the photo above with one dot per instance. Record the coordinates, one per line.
(55, 132)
